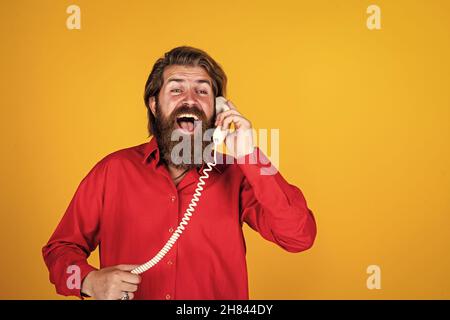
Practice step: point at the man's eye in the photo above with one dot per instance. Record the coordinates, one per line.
(203, 91)
(176, 90)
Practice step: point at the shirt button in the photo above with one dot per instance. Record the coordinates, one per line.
(173, 198)
(171, 230)
(170, 262)
(168, 297)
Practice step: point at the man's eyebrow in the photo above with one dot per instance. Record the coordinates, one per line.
(175, 80)
(183, 80)
(204, 81)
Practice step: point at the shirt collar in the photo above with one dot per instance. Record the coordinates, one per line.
(151, 149)
(151, 154)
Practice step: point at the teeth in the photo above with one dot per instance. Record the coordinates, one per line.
(187, 115)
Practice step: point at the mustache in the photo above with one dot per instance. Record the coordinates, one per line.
(188, 109)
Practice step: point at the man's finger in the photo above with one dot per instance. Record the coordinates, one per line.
(125, 286)
(129, 277)
(127, 267)
(222, 115)
(126, 275)
(236, 119)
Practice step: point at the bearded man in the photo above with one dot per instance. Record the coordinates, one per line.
(132, 201)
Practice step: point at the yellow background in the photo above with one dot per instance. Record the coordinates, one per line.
(363, 118)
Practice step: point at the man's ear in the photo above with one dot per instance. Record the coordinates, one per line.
(152, 105)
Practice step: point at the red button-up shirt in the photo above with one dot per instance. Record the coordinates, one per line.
(128, 205)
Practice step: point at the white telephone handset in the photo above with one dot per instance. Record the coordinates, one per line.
(218, 137)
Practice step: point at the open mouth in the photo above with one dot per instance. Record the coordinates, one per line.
(187, 122)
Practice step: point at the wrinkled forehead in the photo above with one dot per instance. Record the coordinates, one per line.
(179, 73)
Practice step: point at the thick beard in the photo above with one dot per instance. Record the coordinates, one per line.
(164, 126)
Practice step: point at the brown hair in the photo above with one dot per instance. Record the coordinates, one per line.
(187, 56)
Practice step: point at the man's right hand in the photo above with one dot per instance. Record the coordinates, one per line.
(111, 283)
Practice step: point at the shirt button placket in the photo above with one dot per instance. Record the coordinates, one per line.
(170, 261)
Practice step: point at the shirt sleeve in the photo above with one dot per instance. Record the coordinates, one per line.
(273, 207)
(76, 235)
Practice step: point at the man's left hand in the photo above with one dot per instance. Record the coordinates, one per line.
(239, 142)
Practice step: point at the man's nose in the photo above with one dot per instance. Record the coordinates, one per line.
(190, 98)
